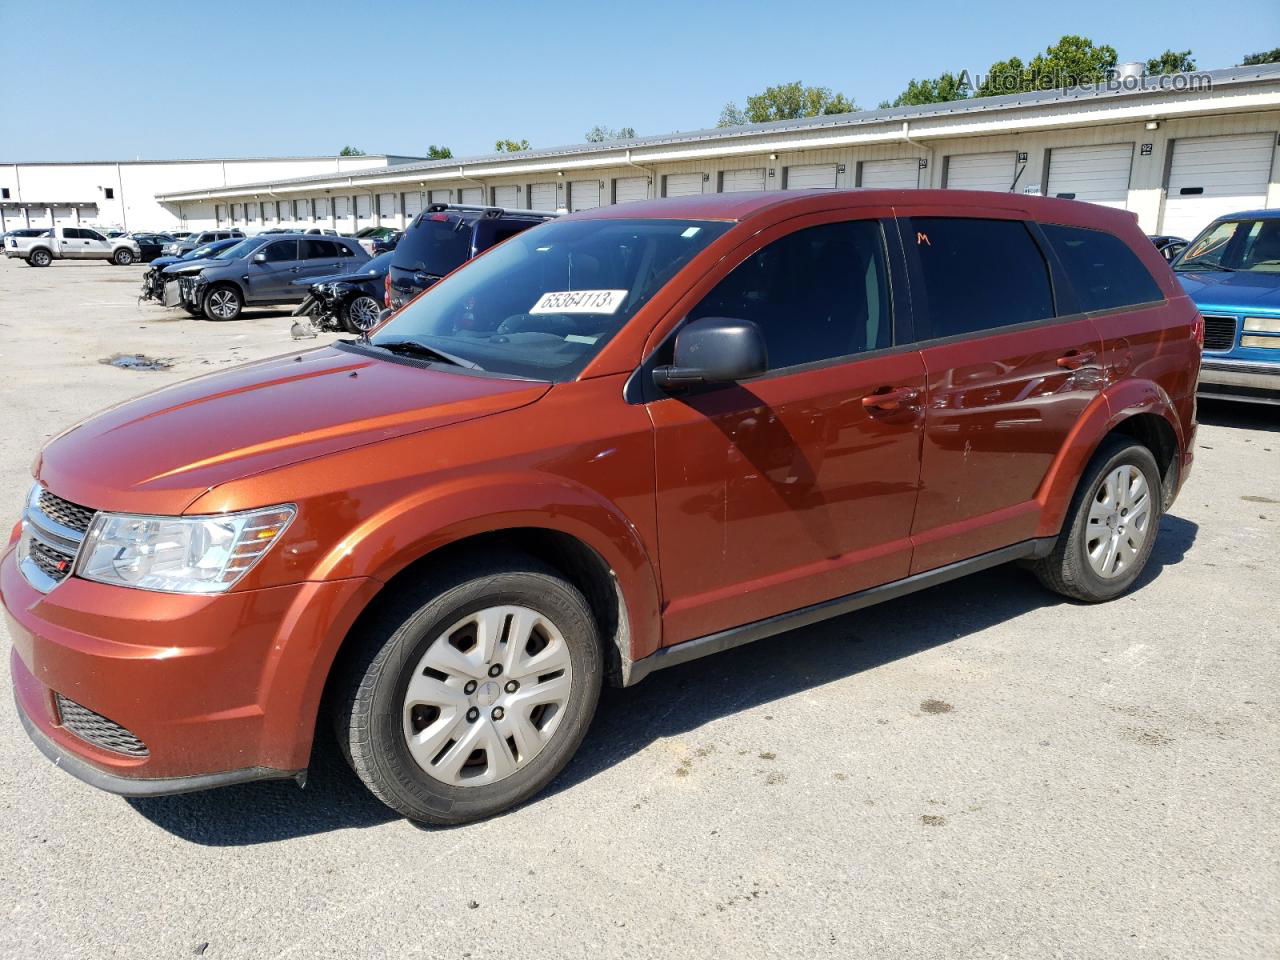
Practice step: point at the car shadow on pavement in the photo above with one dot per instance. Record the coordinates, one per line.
(668, 703)
(1242, 416)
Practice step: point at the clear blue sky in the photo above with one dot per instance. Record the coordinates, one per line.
(107, 81)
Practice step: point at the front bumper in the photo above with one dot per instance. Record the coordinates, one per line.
(1240, 380)
(218, 689)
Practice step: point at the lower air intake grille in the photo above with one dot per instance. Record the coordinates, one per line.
(98, 730)
(54, 564)
(1219, 333)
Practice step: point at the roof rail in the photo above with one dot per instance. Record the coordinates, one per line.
(488, 212)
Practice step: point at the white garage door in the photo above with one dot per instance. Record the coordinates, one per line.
(1210, 177)
(742, 181)
(891, 174)
(386, 205)
(302, 209)
(508, 197)
(584, 194)
(341, 207)
(809, 176)
(412, 204)
(1093, 174)
(323, 208)
(681, 184)
(63, 215)
(39, 216)
(220, 214)
(628, 189)
(364, 206)
(473, 195)
(441, 196)
(542, 196)
(982, 171)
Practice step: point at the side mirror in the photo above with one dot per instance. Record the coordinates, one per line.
(259, 258)
(714, 350)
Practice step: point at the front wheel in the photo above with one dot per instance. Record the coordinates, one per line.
(223, 303)
(1111, 525)
(467, 695)
(122, 257)
(360, 315)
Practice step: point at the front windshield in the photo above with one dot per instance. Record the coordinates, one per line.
(242, 249)
(544, 302)
(1232, 245)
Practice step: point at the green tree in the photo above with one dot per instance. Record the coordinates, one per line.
(510, 146)
(1070, 62)
(599, 134)
(941, 89)
(350, 151)
(439, 153)
(786, 101)
(1171, 61)
(1266, 56)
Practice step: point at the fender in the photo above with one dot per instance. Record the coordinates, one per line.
(1115, 404)
(406, 530)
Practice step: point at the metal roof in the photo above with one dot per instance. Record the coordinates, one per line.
(130, 163)
(975, 105)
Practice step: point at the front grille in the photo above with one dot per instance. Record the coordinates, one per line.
(65, 512)
(98, 730)
(1219, 333)
(53, 563)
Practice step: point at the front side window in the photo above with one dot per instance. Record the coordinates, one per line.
(71, 233)
(816, 294)
(91, 235)
(281, 251)
(978, 274)
(544, 303)
(1233, 245)
(1102, 269)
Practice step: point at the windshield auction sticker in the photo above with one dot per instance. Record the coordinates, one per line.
(579, 301)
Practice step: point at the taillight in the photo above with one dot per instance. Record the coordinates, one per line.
(1199, 330)
(386, 290)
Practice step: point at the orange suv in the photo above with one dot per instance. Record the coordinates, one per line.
(613, 443)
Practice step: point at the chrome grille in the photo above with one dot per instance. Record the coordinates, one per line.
(98, 730)
(65, 512)
(1219, 333)
(53, 563)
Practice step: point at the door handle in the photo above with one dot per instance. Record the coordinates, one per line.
(890, 399)
(1075, 359)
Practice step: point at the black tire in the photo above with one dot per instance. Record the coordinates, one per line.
(223, 302)
(1067, 570)
(122, 257)
(193, 310)
(371, 685)
(362, 303)
(39, 257)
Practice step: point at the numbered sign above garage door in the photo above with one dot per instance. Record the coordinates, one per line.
(810, 176)
(982, 171)
(1093, 174)
(890, 174)
(681, 184)
(742, 181)
(630, 189)
(542, 196)
(1210, 177)
(508, 197)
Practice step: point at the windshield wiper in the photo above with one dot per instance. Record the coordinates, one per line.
(414, 348)
(1195, 268)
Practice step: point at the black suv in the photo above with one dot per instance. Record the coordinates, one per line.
(445, 236)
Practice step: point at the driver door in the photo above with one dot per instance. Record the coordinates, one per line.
(797, 486)
(269, 279)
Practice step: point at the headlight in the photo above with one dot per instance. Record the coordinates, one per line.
(179, 554)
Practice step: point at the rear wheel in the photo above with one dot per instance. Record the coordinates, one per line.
(361, 314)
(122, 257)
(468, 694)
(1111, 525)
(40, 258)
(223, 303)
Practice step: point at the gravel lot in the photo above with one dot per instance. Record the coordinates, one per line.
(981, 770)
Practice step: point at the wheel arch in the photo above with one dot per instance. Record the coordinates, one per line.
(1140, 409)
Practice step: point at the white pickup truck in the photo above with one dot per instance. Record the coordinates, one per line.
(72, 243)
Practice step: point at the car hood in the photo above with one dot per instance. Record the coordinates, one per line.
(193, 266)
(158, 453)
(159, 263)
(1244, 290)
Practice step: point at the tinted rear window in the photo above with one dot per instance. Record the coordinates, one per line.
(434, 246)
(1103, 270)
(979, 274)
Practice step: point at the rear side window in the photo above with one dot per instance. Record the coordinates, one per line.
(1103, 270)
(316, 249)
(979, 274)
(816, 294)
(434, 247)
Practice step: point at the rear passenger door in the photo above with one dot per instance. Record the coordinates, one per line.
(321, 258)
(796, 486)
(1010, 370)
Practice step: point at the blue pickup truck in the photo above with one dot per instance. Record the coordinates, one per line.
(1232, 272)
